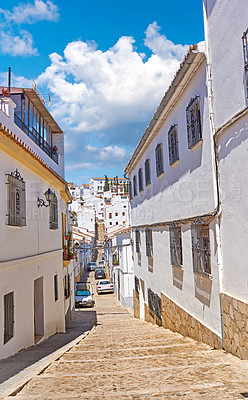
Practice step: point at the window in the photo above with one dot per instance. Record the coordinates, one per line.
(245, 47)
(53, 222)
(8, 316)
(176, 246)
(149, 243)
(147, 173)
(67, 286)
(200, 248)
(173, 144)
(55, 282)
(159, 159)
(137, 241)
(130, 190)
(140, 176)
(110, 215)
(110, 223)
(135, 186)
(123, 222)
(16, 199)
(193, 118)
(116, 214)
(154, 303)
(123, 214)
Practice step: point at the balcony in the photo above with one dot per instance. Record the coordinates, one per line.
(35, 136)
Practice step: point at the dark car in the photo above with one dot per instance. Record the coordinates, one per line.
(100, 274)
(91, 266)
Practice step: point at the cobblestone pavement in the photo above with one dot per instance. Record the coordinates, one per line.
(125, 358)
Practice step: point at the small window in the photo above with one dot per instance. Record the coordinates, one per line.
(54, 212)
(173, 145)
(116, 214)
(117, 223)
(123, 214)
(67, 286)
(130, 190)
(193, 118)
(16, 199)
(110, 223)
(135, 193)
(137, 241)
(110, 215)
(140, 176)
(201, 248)
(55, 282)
(159, 159)
(245, 48)
(176, 246)
(124, 223)
(8, 316)
(147, 173)
(149, 250)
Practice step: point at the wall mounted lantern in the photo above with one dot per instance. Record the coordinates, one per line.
(48, 195)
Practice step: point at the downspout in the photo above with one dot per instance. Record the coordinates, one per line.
(216, 164)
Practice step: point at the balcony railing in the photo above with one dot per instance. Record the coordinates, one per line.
(35, 136)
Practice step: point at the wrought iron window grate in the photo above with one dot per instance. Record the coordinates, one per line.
(176, 246)
(193, 118)
(140, 176)
(135, 192)
(136, 284)
(147, 173)
(56, 293)
(173, 144)
(159, 159)
(149, 249)
(16, 199)
(201, 248)
(245, 49)
(8, 316)
(137, 241)
(53, 221)
(154, 303)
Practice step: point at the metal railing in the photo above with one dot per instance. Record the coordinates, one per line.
(37, 138)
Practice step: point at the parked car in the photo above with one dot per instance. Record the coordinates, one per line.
(99, 273)
(83, 294)
(104, 286)
(101, 263)
(91, 266)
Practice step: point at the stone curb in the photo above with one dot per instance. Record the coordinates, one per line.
(14, 384)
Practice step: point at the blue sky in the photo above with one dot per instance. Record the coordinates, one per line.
(105, 64)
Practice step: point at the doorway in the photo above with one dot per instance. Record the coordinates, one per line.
(38, 310)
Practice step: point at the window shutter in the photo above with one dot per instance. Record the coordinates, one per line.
(16, 199)
(137, 237)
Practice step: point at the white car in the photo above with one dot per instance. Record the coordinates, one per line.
(104, 286)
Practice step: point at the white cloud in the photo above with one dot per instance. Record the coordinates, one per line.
(17, 45)
(82, 165)
(95, 90)
(108, 153)
(31, 13)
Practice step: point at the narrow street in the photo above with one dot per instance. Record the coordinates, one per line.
(125, 358)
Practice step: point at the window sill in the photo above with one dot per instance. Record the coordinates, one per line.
(204, 275)
(161, 175)
(196, 145)
(149, 185)
(175, 163)
(178, 267)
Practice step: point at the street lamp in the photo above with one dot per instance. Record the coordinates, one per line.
(48, 195)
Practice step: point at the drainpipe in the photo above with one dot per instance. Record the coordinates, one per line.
(216, 164)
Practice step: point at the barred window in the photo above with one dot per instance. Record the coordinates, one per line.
(8, 316)
(56, 293)
(173, 144)
(147, 172)
(137, 241)
(149, 250)
(245, 48)
(130, 190)
(140, 175)
(67, 286)
(136, 284)
(201, 248)
(176, 246)
(53, 220)
(16, 199)
(159, 159)
(154, 303)
(135, 192)
(193, 118)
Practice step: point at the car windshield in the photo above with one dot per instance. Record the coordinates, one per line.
(92, 263)
(105, 283)
(82, 293)
(99, 271)
(100, 262)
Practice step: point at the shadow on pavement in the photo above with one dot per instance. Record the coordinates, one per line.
(83, 320)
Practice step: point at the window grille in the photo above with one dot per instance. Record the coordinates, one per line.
(56, 293)
(130, 190)
(159, 159)
(8, 316)
(16, 199)
(54, 212)
(149, 250)
(176, 246)
(135, 192)
(173, 144)
(136, 284)
(140, 175)
(147, 172)
(201, 248)
(67, 286)
(137, 240)
(154, 303)
(245, 48)
(193, 118)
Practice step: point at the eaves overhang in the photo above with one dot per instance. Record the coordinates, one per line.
(191, 61)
